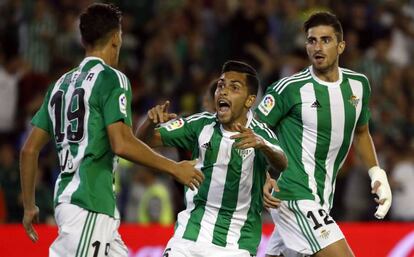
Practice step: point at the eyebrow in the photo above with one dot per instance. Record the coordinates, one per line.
(322, 37)
(236, 81)
(326, 37)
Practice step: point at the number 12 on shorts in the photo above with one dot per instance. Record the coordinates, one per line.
(323, 215)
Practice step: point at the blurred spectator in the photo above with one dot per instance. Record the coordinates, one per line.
(286, 26)
(67, 50)
(149, 199)
(37, 34)
(128, 55)
(11, 70)
(375, 64)
(10, 182)
(32, 89)
(402, 181)
(358, 203)
(249, 26)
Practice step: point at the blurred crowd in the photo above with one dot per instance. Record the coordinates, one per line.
(173, 50)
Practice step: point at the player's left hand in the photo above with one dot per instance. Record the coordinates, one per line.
(268, 199)
(381, 188)
(31, 216)
(247, 138)
(160, 114)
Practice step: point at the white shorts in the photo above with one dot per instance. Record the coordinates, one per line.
(178, 247)
(84, 233)
(302, 228)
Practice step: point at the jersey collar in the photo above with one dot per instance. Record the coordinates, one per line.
(90, 58)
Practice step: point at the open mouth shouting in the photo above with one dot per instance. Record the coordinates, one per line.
(223, 106)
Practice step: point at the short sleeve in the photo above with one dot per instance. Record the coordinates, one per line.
(42, 119)
(365, 112)
(116, 98)
(268, 135)
(178, 133)
(273, 107)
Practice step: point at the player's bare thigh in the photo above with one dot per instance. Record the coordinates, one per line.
(338, 249)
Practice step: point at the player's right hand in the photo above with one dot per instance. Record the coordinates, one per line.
(268, 199)
(188, 175)
(31, 216)
(159, 113)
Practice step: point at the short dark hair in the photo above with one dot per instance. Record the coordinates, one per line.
(324, 18)
(242, 67)
(98, 21)
(212, 88)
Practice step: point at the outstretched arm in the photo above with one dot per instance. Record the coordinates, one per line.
(28, 168)
(379, 182)
(126, 145)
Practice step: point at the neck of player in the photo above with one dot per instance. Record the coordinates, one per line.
(330, 74)
(107, 55)
(231, 126)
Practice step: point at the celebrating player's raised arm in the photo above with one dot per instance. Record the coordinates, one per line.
(156, 115)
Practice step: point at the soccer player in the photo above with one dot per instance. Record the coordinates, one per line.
(223, 217)
(316, 114)
(87, 112)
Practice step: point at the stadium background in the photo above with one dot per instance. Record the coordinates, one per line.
(174, 49)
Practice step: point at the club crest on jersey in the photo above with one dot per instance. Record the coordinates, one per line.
(244, 152)
(123, 104)
(175, 124)
(267, 104)
(354, 100)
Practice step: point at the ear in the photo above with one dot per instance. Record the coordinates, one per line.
(115, 38)
(341, 47)
(250, 101)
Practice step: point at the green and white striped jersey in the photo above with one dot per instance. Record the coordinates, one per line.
(315, 122)
(226, 209)
(76, 111)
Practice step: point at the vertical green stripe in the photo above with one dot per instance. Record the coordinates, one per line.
(350, 116)
(287, 133)
(302, 227)
(88, 244)
(323, 138)
(250, 233)
(310, 230)
(65, 179)
(193, 226)
(229, 199)
(85, 239)
(83, 233)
